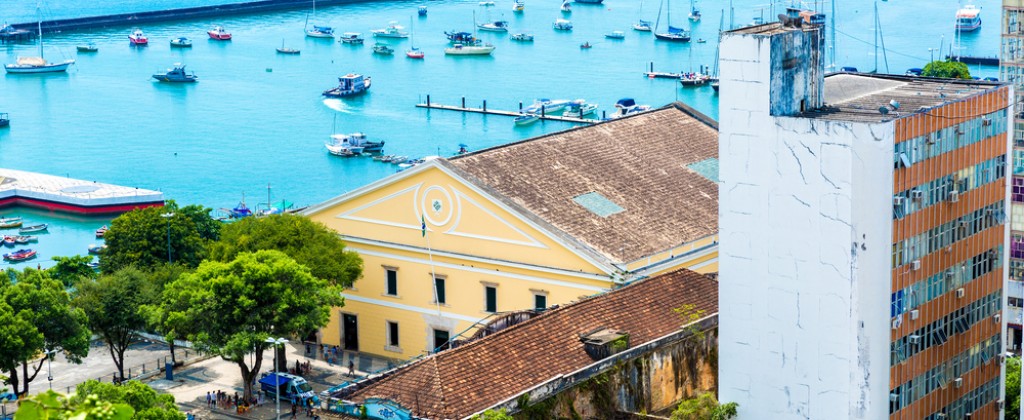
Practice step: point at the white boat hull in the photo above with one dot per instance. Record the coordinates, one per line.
(469, 51)
(313, 34)
(47, 68)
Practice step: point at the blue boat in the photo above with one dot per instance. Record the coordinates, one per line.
(348, 85)
(464, 38)
(422, 11)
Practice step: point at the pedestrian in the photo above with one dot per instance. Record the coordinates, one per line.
(209, 399)
(351, 368)
(325, 351)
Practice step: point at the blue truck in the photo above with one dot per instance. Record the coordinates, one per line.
(292, 388)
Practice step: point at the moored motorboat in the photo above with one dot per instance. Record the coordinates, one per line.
(525, 119)
(137, 37)
(562, 25)
(496, 26)
(579, 108)
(422, 11)
(546, 106)
(382, 49)
(692, 79)
(393, 30)
(96, 249)
(89, 48)
(181, 42)
(219, 33)
(23, 239)
(349, 84)
(5, 120)
(7, 240)
(521, 37)
(565, 7)
(42, 227)
(351, 38)
(518, 5)
(357, 140)
(101, 231)
(176, 74)
(968, 18)
(10, 222)
(615, 35)
(628, 106)
(20, 255)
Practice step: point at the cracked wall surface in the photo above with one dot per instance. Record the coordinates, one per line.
(805, 227)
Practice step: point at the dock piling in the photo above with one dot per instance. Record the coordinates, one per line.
(463, 101)
(520, 106)
(542, 113)
(485, 105)
(428, 101)
(604, 115)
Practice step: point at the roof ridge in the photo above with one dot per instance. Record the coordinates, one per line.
(440, 386)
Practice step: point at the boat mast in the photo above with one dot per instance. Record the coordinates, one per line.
(39, 27)
(876, 38)
(832, 29)
(657, 21)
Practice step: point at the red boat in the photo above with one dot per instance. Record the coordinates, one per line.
(219, 34)
(415, 53)
(20, 255)
(138, 38)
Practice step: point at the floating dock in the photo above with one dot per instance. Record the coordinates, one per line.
(984, 61)
(484, 110)
(56, 193)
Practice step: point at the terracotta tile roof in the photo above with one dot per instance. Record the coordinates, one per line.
(639, 163)
(470, 378)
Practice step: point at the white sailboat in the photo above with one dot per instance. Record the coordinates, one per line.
(318, 31)
(641, 24)
(37, 64)
(673, 33)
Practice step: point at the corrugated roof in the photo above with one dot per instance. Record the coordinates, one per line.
(640, 163)
(459, 382)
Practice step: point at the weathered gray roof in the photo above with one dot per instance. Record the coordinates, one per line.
(858, 96)
(638, 163)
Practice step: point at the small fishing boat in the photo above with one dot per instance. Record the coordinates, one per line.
(398, 159)
(968, 18)
(518, 6)
(546, 106)
(691, 79)
(176, 74)
(342, 151)
(586, 45)
(525, 119)
(101, 231)
(138, 38)
(351, 38)
(487, 3)
(34, 228)
(565, 7)
(22, 239)
(463, 149)
(8, 241)
(479, 49)
(628, 106)
(579, 108)
(422, 11)
(521, 37)
(382, 49)
(181, 42)
(615, 35)
(20, 255)
(496, 26)
(393, 30)
(562, 25)
(96, 249)
(701, 40)
(4, 119)
(219, 33)
(348, 85)
(358, 140)
(320, 32)
(10, 223)
(285, 50)
(89, 48)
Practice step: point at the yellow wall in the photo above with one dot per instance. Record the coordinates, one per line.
(474, 242)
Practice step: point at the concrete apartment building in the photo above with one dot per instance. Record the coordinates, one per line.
(1011, 69)
(863, 251)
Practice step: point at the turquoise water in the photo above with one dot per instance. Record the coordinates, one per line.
(257, 118)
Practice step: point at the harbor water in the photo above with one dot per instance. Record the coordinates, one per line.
(255, 125)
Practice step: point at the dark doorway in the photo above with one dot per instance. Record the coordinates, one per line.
(441, 340)
(350, 332)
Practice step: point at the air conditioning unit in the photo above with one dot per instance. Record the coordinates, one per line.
(896, 322)
(958, 382)
(916, 195)
(949, 249)
(914, 314)
(968, 415)
(950, 273)
(929, 138)
(914, 339)
(958, 130)
(996, 318)
(893, 397)
(999, 405)
(960, 292)
(954, 196)
(986, 121)
(915, 265)
(897, 200)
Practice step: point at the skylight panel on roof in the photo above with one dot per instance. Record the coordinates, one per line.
(707, 168)
(598, 204)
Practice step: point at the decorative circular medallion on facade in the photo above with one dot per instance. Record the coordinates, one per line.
(437, 206)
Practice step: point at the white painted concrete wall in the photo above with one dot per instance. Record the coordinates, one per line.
(805, 226)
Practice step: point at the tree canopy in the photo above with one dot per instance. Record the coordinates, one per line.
(230, 309)
(112, 304)
(70, 270)
(156, 235)
(146, 403)
(946, 69)
(45, 321)
(50, 405)
(704, 407)
(1013, 388)
(309, 243)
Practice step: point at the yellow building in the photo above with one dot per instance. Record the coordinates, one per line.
(526, 225)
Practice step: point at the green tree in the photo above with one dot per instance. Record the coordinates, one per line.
(1013, 388)
(69, 270)
(144, 400)
(19, 340)
(112, 304)
(309, 243)
(230, 309)
(50, 405)
(146, 238)
(42, 303)
(493, 415)
(160, 277)
(704, 407)
(946, 69)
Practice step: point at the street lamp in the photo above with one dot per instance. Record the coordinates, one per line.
(168, 216)
(49, 372)
(274, 342)
(931, 54)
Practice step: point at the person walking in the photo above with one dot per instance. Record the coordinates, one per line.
(351, 368)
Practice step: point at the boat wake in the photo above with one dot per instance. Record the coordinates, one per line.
(337, 105)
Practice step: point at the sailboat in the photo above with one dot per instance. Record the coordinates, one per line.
(413, 52)
(318, 31)
(284, 50)
(673, 34)
(37, 64)
(641, 24)
(694, 12)
(474, 48)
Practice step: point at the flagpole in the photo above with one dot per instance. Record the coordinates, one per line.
(430, 256)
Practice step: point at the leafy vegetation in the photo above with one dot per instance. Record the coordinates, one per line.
(493, 415)
(1013, 388)
(230, 309)
(691, 315)
(704, 407)
(71, 270)
(50, 405)
(144, 400)
(146, 238)
(946, 69)
(112, 305)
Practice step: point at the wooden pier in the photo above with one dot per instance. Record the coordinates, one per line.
(484, 110)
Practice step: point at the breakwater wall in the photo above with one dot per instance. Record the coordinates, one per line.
(136, 19)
